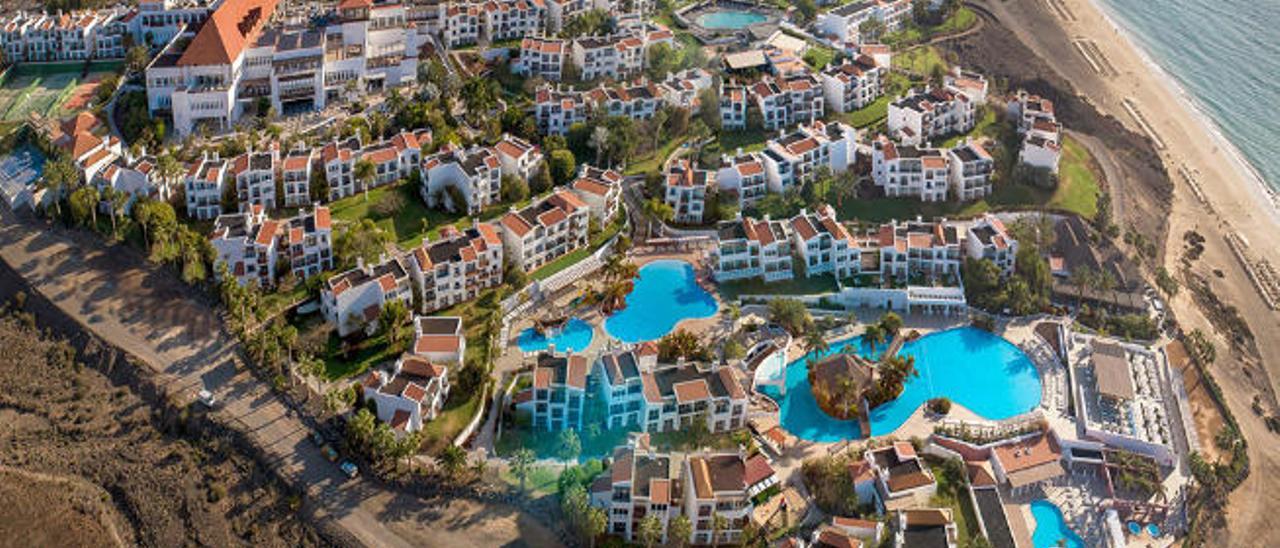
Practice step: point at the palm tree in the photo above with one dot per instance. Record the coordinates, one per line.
(453, 458)
(718, 524)
(599, 141)
(522, 464)
(593, 525)
(1081, 278)
(815, 343)
(365, 172)
(680, 530)
(873, 335)
(650, 531)
(655, 208)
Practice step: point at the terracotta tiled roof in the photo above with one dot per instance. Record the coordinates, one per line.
(231, 27)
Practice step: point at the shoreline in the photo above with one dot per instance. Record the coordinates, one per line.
(1244, 168)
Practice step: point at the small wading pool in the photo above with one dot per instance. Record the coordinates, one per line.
(729, 19)
(576, 337)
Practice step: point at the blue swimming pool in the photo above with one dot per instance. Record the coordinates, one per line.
(729, 19)
(976, 369)
(666, 293)
(576, 336)
(1051, 527)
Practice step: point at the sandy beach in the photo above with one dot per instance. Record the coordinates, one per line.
(1105, 66)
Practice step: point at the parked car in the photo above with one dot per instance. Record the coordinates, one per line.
(329, 452)
(206, 397)
(349, 468)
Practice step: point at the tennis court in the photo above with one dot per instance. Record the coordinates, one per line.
(45, 89)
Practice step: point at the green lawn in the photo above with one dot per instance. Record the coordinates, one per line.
(986, 127)
(955, 495)
(654, 162)
(749, 140)
(824, 283)
(455, 415)
(542, 480)
(406, 224)
(364, 355)
(961, 20)
(869, 115)
(819, 57)
(571, 258)
(1078, 186)
(920, 60)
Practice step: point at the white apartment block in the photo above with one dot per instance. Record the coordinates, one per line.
(787, 101)
(932, 114)
(681, 89)
(853, 84)
(971, 167)
(254, 174)
(560, 12)
(518, 157)
(558, 392)
(240, 55)
(903, 480)
(511, 19)
(545, 230)
(794, 158)
(460, 24)
(157, 21)
(637, 100)
(844, 22)
(555, 110)
(733, 106)
(246, 244)
(338, 160)
(137, 178)
(721, 485)
(988, 239)
(823, 245)
(64, 36)
(475, 173)
(600, 189)
(744, 176)
(967, 83)
(619, 55)
(455, 268)
(918, 248)
(410, 394)
(685, 190)
(639, 483)
(440, 339)
(902, 171)
(353, 300)
(295, 176)
(542, 58)
(639, 392)
(1041, 132)
(204, 187)
(750, 248)
(306, 242)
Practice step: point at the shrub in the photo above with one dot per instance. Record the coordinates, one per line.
(940, 406)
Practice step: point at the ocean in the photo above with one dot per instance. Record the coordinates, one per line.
(1226, 55)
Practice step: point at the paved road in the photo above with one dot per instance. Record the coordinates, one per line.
(124, 300)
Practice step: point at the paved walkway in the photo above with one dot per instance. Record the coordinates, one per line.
(133, 305)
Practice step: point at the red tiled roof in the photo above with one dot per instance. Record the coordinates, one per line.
(322, 217)
(231, 27)
(437, 343)
(690, 391)
(757, 469)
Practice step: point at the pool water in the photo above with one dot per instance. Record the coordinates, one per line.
(666, 293)
(729, 19)
(575, 337)
(1051, 527)
(983, 372)
(1153, 530)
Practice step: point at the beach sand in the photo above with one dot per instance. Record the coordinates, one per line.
(1236, 202)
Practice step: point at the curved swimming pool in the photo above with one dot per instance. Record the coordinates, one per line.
(729, 19)
(575, 337)
(1051, 527)
(666, 293)
(984, 373)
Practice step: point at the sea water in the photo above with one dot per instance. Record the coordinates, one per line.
(1226, 55)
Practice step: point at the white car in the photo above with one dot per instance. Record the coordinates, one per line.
(206, 397)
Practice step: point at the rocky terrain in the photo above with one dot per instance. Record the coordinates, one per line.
(85, 461)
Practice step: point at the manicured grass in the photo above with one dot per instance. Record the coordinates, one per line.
(455, 415)
(954, 495)
(572, 258)
(961, 20)
(869, 115)
(1078, 186)
(364, 355)
(824, 283)
(985, 127)
(819, 57)
(749, 140)
(920, 60)
(542, 480)
(654, 162)
(406, 224)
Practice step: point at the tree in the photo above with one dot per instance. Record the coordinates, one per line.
(873, 335)
(453, 459)
(563, 165)
(650, 531)
(594, 523)
(806, 10)
(792, 315)
(363, 240)
(1081, 278)
(718, 524)
(654, 208)
(136, 59)
(542, 181)
(891, 322)
(599, 142)
(514, 189)
(680, 530)
(116, 200)
(59, 176)
(392, 319)
(521, 464)
(662, 60)
(84, 206)
(573, 501)
(365, 172)
(570, 446)
(814, 342)
(360, 429)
